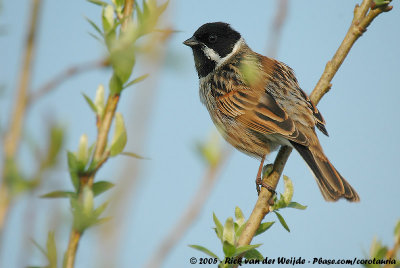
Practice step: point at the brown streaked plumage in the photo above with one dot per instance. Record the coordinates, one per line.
(257, 104)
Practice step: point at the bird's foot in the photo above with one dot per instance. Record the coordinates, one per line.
(267, 169)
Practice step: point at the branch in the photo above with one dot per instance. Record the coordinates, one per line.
(363, 16)
(359, 25)
(100, 156)
(276, 27)
(190, 215)
(72, 248)
(262, 205)
(65, 75)
(13, 135)
(112, 100)
(127, 12)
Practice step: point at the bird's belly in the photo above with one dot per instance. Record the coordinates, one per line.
(244, 139)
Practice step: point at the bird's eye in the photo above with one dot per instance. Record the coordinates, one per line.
(212, 39)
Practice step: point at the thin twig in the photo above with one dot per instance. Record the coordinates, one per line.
(262, 205)
(99, 153)
(13, 135)
(127, 12)
(276, 27)
(72, 248)
(138, 122)
(65, 75)
(359, 25)
(190, 215)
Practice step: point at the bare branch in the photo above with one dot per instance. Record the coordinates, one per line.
(13, 134)
(276, 27)
(359, 25)
(65, 75)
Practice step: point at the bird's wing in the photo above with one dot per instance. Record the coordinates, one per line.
(258, 111)
(285, 75)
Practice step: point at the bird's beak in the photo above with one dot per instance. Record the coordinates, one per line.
(191, 42)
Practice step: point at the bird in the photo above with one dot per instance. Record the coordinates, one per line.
(257, 105)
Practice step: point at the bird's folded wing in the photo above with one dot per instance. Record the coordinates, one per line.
(258, 111)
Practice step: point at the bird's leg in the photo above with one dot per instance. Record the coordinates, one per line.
(258, 178)
(259, 181)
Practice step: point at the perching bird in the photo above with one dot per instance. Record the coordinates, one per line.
(256, 104)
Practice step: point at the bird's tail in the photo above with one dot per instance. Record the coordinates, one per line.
(332, 185)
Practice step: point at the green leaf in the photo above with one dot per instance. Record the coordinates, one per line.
(82, 155)
(136, 80)
(72, 161)
(99, 101)
(244, 249)
(264, 227)
(239, 216)
(288, 192)
(162, 8)
(101, 186)
(253, 254)
(59, 194)
(122, 61)
(119, 3)
(39, 247)
(133, 155)
(100, 209)
(87, 200)
(73, 169)
(139, 14)
(110, 37)
(219, 228)
(51, 250)
(381, 2)
(210, 150)
(56, 138)
(90, 102)
(375, 246)
(397, 229)
(101, 220)
(108, 18)
(98, 2)
(97, 38)
(120, 138)
(229, 231)
(115, 84)
(229, 249)
(296, 205)
(381, 253)
(282, 221)
(205, 250)
(95, 27)
(240, 229)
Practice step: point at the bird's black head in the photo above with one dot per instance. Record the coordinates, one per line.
(212, 44)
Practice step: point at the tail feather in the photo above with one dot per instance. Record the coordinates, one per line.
(332, 185)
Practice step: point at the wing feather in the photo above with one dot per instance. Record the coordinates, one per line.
(260, 113)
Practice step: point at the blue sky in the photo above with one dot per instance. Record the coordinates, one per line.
(360, 110)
